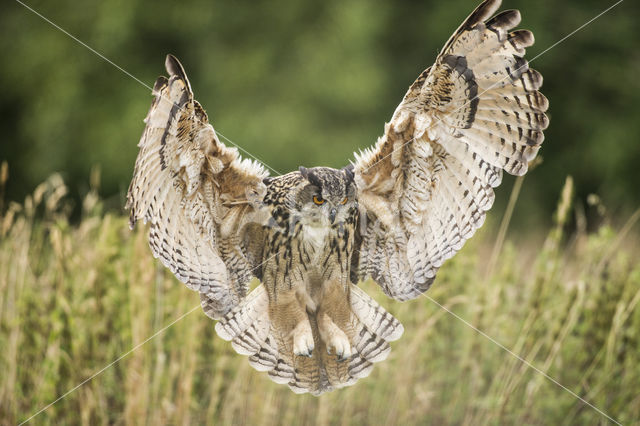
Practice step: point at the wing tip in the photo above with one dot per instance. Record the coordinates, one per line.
(506, 19)
(175, 68)
(222, 332)
(397, 332)
(521, 39)
(160, 83)
(482, 12)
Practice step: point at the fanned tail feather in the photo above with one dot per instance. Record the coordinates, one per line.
(250, 331)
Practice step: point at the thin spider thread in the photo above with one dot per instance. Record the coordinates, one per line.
(102, 370)
(405, 143)
(106, 367)
(519, 358)
(493, 86)
(139, 81)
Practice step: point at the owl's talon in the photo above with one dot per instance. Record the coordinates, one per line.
(336, 340)
(342, 349)
(303, 343)
(307, 354)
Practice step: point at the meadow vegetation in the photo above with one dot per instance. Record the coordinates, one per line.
(76, 296)
(307, 83)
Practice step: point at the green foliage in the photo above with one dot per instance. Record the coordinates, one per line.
(307, 83)
(75, 297)
(299, 83)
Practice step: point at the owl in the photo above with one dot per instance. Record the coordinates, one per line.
(394, 214)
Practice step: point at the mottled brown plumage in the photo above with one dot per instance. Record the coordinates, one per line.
(395, 215)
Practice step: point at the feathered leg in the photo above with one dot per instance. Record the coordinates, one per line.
(289, 318)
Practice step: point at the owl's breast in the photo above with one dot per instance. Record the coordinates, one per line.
(328, 250)
(315, 236)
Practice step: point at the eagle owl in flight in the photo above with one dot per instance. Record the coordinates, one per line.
(394, 214)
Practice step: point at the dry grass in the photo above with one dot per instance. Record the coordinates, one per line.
(75, 297)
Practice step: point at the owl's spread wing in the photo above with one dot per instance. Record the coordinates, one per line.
(425, 186)
(202, 200)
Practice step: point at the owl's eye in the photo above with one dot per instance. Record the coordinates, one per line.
(344, 201)
(318, 200)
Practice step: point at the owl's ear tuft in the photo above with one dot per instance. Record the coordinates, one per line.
(348, 171)
(267, 180)
(310, 176)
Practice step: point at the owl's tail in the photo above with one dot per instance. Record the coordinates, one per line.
(248, 328)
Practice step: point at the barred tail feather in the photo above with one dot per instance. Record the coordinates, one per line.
(374, 317)
(251, 333)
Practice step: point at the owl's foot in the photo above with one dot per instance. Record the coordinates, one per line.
(303, 339)
(335, 339)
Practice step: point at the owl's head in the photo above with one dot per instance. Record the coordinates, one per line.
(326, 195)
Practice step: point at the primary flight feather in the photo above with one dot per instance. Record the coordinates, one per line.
(394, 215)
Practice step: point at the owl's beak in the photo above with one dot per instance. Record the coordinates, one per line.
(332, 215)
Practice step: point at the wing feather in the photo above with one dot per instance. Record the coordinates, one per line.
(199, 196)
(425, 187)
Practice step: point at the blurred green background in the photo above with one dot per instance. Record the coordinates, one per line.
(300, 83)
(307, 84)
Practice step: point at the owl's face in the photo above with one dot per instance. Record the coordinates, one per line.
(325, 196)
